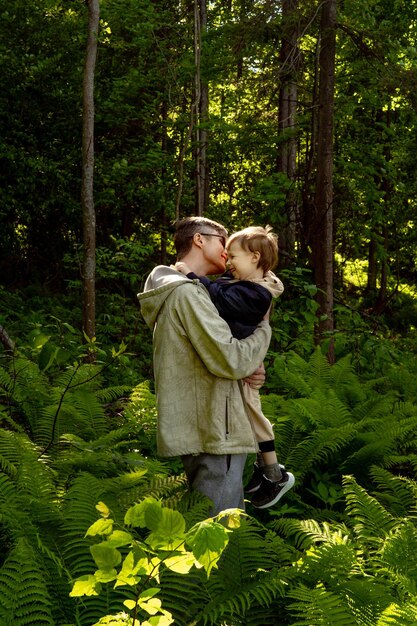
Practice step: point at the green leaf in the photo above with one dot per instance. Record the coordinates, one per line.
(207, 541)
(105, 556)
(103, 509)
(152, 606)
(134, 566)
(105, 575)
(100, 527)
(180, 563)
(85, 586)
(119, 538)
(135, 516)
(130, 604)
(169, 529)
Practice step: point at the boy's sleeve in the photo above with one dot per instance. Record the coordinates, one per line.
(210, 335)
(242, 301)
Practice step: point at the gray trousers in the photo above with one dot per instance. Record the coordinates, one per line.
(217, 476)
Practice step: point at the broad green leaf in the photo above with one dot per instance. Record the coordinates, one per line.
(149, 593)
(105, 575)
(105, 556)
(160, 620)
(151, 606)
(207, 541)
(129, 604)
(181, 563)
(168, 529)
(85, 586)
(119, 538)
(100, 527)
(135, 516)
(231, 517)
(153, 515)
(132, 569)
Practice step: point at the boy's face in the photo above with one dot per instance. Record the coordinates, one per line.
(242, 263)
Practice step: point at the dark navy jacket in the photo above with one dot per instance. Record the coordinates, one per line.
(241, 304)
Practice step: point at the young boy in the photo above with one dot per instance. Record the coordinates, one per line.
(243, 298)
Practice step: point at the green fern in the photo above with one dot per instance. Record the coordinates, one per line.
(371, 521)
(318, 607)
(25, 596)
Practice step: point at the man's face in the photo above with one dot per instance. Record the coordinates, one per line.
(214, 252)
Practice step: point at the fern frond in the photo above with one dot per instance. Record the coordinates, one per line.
(395, 615)
(371, 521)
(319, 447)
(398, 552)
(25, 597)
(398, 493)
(78, 511)
(292, 373)
(319, 369)
(109, 394)
(318, 607)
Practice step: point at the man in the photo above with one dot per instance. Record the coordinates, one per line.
(198, 365)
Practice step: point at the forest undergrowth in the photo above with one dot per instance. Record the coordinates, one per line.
(95, 529)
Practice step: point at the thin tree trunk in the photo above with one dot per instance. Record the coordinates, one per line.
(87, 195)
(164, 138)
(201, 90)
(322, 236)
(287, 154)
(372, 266)
(5, 340)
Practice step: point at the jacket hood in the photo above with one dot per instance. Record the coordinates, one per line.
(272, 283)
(158, 286)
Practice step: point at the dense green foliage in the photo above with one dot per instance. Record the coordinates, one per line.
(341, 543)
(78, 463)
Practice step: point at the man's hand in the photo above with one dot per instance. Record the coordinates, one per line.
(257, 379)
(182, 267)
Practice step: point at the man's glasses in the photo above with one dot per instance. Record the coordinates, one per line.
(221, 237)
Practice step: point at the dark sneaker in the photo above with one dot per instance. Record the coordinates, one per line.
(256, 479)
(268, 493)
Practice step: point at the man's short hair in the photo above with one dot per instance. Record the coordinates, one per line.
(258, 239)
(186, 228)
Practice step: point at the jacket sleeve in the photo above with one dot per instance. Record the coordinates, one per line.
(242, 300)
(194, 315)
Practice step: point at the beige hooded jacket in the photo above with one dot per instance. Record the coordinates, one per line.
(197, 366)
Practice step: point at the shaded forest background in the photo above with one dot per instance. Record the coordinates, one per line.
(298, 114)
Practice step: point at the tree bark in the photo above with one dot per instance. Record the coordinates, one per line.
(5, 340)
(201, 99)
(322, 234)
(87, 182)
(287, 154)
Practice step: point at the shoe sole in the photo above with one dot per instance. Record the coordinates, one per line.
(288, 485)
(253, 489)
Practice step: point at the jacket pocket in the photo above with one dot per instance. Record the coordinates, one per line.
(227, 419)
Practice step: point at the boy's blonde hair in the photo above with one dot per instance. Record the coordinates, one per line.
(258, 239)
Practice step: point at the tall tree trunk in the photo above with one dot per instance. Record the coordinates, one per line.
(87, 195)
(201, 99)
(287, 154)
(322, 233)
(5, 340)
(386, 187)
(164, 218)
(372, 266)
